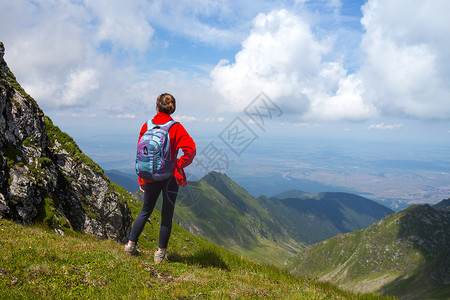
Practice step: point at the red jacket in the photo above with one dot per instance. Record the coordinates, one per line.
(179, 139)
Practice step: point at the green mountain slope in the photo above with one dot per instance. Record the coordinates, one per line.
(227, 215)
(405, 254)
(317, 217)
(444, 205)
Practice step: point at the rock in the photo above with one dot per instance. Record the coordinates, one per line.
(44, 176)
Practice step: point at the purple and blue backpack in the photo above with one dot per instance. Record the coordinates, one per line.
(153, 158)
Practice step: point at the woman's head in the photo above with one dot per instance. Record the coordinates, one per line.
(165, 103)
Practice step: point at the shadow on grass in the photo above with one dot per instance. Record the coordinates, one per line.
(203, 257)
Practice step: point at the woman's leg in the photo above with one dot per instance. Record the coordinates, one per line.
(170, 192)
(151, 193)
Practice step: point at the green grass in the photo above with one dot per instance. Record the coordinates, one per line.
(37, 263)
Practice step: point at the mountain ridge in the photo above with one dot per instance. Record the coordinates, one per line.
(226, 214)
(405, 254)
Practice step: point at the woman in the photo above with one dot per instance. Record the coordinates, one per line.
(179, 139)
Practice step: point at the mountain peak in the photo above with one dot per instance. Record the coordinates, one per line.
(213, 175)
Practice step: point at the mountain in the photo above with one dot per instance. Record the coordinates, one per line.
(267, 229)
(125, 180)
(444, 205)
(218, 209)
(405, 254)
(316, 217)
(44, 175)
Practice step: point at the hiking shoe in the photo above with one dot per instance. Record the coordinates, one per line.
(159, 256)
(131, 249)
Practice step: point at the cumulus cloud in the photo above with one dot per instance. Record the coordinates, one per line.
(78, 86)
(87, 55)
(407, 66)
(283, 58)
(55, 49)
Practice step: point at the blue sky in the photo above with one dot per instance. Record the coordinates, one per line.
(376, 70)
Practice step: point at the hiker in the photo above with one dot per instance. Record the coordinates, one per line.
(179, 139)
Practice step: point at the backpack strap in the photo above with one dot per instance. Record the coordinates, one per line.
(166, 126)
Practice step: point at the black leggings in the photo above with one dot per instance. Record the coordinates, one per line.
(152, 190)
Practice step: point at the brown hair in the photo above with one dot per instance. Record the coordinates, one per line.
(165, 103)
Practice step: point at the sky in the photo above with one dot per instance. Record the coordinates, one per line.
(376, 70)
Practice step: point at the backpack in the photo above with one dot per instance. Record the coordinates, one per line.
(153, 158)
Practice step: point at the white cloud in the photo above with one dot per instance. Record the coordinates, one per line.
(407, 66)
(55, 50)
(383, 126)
(184, 118)
(346, 103)
(122, 22)
(126, 116)
(284, 59)
(79, 85)
(213, 119)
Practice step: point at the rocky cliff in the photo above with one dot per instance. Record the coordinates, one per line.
(45, 177)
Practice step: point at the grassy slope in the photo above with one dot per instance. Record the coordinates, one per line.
(389, 256)
(36, 263)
